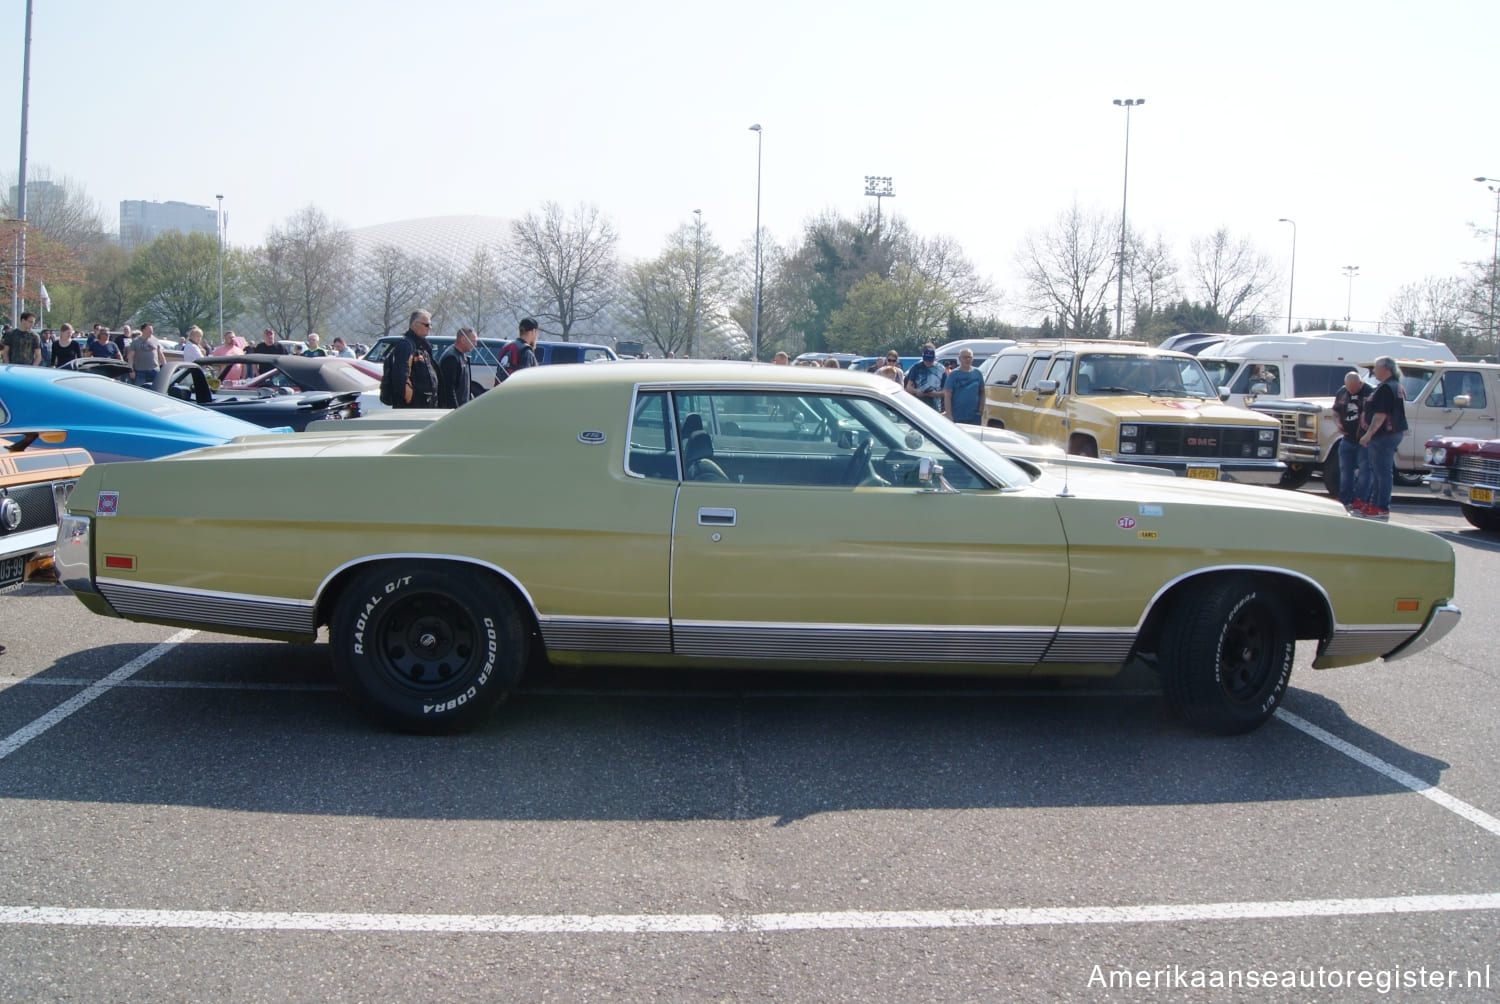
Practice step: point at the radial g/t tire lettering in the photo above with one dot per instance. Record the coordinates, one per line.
(427, 648)
(1226, 655)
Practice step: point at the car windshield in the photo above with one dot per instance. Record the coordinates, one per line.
(1125, 373)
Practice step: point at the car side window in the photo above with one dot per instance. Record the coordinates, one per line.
(1034, 372)
(1006, 369)
(1059, 371)
(1455, 382)
(808, 440)
(653, 451)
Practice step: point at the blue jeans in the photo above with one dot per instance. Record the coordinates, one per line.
(145, 378)
(1349, 468)
(1377, 468)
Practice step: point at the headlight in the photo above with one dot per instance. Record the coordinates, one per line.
(1128, 431)
(1268, 435)
(1127, 447)
(1265, 451)
(1437, 455)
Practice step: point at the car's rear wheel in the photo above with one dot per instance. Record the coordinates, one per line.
(1482, 519)
(425, 648)
(1226, 655)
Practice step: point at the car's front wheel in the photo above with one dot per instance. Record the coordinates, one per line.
(1226, 655)
(1482, 519)
(426, 648)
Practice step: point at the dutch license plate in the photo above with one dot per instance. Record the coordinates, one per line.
(1481, 495)
(1203, 473)
(12, 571)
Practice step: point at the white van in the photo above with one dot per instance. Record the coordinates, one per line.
(1293, 378)
(1306, 363)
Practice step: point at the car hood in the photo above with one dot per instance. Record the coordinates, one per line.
(1170, 409)
(1093, 482)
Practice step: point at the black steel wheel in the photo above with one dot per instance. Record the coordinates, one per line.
(426, 648)
(1226, 655)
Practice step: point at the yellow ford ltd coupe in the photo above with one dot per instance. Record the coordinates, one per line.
(733, 515)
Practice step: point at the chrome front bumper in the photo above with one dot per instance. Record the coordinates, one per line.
(1444, 619)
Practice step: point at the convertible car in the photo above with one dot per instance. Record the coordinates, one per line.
(270, 407)
(738, 515)
(109, 419)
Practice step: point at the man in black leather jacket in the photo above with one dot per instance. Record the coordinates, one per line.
(411, 365)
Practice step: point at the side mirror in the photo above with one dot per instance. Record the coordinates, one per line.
(1462, 401)
(925, 469)
(1046, 387)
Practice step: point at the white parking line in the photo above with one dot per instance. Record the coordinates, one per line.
(1401, 777)
(720, 923)
(26, 733)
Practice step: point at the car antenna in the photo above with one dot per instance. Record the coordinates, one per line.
(1065, 493)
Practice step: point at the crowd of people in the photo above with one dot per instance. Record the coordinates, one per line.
(141, 350)
(955, 389)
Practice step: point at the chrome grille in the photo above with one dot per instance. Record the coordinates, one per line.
(1474, 469)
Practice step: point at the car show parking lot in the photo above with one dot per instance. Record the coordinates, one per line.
(186, 815)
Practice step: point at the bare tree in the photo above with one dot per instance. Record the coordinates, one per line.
(782, 297)
(1153, 273)
(564, 266)
(60, 208)
(1234, 277)
(314, 257)
(1434, 306)
(1068, 269)
(271, 286)
(477, 296)
(396, 283)
(941, 260)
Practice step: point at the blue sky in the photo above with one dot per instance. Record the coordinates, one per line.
(1364, 122)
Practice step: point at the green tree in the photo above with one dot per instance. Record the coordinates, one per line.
(175, 279)
(107, 297)
(902, 312)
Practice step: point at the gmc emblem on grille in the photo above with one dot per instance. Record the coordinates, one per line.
(1202, 441)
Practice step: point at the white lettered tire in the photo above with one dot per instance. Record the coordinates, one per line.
(427, 648)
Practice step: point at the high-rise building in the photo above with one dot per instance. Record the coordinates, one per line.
(142, 222)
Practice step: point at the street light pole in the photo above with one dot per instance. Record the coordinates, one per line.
(698, 284)
(755, 307)
(1126, 104)
(221, 266)
(1291, 286)
(880, 188)
(1350, 271)
(18, 292)
(1493, 184)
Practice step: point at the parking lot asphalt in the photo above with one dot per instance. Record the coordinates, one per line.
(190, 816)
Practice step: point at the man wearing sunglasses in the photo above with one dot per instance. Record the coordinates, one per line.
(412, 377)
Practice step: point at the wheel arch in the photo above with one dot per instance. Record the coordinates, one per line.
(1306, 601)
(331, 589)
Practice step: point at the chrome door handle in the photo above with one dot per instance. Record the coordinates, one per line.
(709, 516)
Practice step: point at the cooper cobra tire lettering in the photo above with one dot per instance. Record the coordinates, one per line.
(430, 648)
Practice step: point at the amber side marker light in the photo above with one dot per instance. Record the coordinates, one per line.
(1408, 606)
(123, 561)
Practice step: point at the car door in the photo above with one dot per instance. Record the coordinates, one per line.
(1050, 420)
(798, 566)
